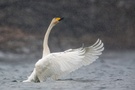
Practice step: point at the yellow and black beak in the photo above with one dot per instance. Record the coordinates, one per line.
(59, 19)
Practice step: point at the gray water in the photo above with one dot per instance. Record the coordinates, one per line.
(112, 71)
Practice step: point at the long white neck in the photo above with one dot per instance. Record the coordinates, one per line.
(46, 49)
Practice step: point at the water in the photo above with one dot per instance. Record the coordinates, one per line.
(112, 71)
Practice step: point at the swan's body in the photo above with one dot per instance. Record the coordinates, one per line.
(56, 64)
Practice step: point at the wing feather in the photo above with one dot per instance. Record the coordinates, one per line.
(72, 59)
(93, 52)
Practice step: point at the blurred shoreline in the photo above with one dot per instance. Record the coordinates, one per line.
(22, 42)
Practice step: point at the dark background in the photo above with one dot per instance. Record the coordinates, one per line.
(23, 24)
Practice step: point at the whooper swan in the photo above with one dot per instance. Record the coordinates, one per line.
(56, 64)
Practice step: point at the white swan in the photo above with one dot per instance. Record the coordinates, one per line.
(56, 64)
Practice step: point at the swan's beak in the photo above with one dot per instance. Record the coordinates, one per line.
(59, 19)
(56, 20)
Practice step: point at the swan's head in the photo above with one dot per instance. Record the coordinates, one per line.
(56, 20)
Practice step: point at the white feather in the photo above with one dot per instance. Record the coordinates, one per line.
(56, 64)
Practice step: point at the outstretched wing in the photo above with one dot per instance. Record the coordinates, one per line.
(72, 59)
